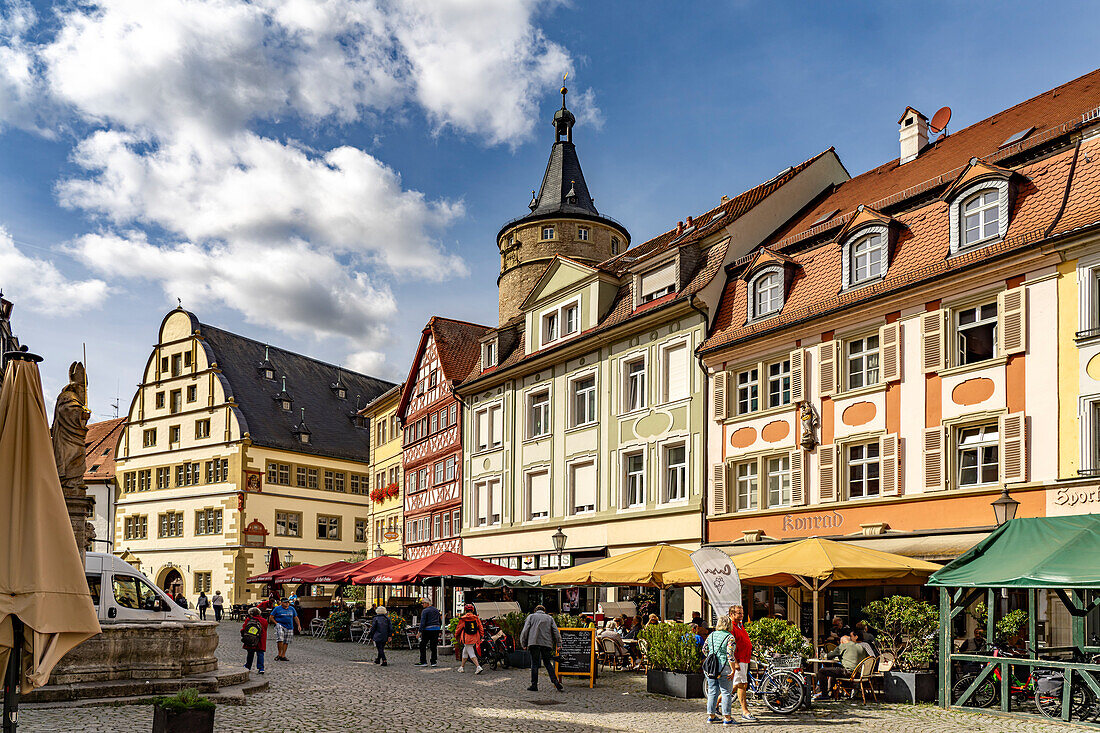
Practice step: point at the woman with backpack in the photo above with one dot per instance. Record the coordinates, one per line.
(202, 604)
(380, 632)
(469, 632)
(254, 639)
(718, 653)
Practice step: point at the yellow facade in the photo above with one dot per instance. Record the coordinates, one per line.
(385, 473)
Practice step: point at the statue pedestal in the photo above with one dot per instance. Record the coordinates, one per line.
(80, 507)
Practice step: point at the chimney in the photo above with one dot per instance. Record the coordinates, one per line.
(689, 221)
(913, 134)
(679, 228)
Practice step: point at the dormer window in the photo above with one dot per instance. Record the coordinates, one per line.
(561, 322)
(981, 217)
(766, 293)
(282, 398)
(657, 283)
(979, 202)
(301, 432)
(488, 354)
(866, 256)
(265, 368)
(339, 389)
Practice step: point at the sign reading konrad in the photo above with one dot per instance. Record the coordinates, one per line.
(719, 577)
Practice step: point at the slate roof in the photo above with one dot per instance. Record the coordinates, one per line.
(309, 384)
(100, 445)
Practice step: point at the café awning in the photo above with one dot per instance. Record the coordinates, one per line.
(280, 575)
(653, 567)
(444, 565)
(1032, 552)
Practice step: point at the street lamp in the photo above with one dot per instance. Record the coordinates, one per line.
(288, 557)
(267, 558)
(1004, 508)
(559, 539)
(378, 551)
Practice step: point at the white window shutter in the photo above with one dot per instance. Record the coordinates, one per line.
(889, 339)
(931, 341)
(676, 372)
(798, 493)
(826, 457)
(1014, 447)
(720, 395)
(798, 376)
(1012, 317)
(934, 450)
(497, 425)
(888, 460)
(718, 504)
(826, 368)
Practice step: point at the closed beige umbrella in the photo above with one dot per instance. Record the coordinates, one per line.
(42, 580)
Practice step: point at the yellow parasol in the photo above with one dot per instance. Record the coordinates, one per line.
(649, 566)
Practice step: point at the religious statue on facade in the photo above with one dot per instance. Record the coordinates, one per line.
(809, 421)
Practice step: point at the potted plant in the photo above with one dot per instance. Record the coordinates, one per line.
(772, 637)
(512, 624)
(907, 629)
(675, 662)
(185, 712)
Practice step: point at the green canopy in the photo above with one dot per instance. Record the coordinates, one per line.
(1034, 552)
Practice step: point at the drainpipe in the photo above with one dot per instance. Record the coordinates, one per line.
(706, 393)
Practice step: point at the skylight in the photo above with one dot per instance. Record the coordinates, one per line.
(825, 217)
(718, 215)
(1017, 137)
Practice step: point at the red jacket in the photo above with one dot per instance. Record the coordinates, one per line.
(743, 653)
(263, 631)
(460, 631)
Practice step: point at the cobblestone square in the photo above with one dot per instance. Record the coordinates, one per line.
(329, 687)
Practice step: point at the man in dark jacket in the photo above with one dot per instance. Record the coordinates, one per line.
(380, 632)
(431, 623)
(540, 637)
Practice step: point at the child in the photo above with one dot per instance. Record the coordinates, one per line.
(254, 639)
(470, 632)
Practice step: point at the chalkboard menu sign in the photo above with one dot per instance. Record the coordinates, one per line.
(578, 654)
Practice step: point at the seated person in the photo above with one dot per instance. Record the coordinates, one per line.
(866, 634)
(850, 655)
(857, 637)
(696, 618)
(613, 632)
(975, 644)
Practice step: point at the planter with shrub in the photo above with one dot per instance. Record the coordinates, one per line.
(512, 624)
(675, 663)
(185, 712)
(907, 629)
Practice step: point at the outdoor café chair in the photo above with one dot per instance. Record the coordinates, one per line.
(608, 653)
(860, 679)
(317, 626)
(878, 678)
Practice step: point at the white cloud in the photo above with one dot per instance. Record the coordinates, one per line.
(39, 286)
(586, 109)
(21, 94)
(369, 362)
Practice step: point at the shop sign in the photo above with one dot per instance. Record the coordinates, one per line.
(255, 534)
(1070, 496)
(804, 522)
(390, 536)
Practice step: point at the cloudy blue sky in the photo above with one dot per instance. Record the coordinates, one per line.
(327, 174)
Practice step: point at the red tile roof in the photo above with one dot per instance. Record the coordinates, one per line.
(458, 344)
(99, 449)
(1051, 113)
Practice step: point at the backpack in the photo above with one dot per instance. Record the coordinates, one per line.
(470, 627)
(251, 634)
(712, 664)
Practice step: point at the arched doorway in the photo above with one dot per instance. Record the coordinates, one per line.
(171, 581)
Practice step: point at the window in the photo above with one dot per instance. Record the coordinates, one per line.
(360, 530)
(582, 485)
(328, 528)
(633, 480)
(203, 582)
(132, 592)
(434, 423)
(300, 476)
(560, 322)
(330, 481)
(675, 472)
(171, 525)
(339, 481)
(748, 391)
(767, 294)
(538, 495)
(981, 217)
(144, 479)
(164, 477)
(976, 455)
(160, 400)
(451, 468)
(569, 320)
(862, 362)
(437, 477)
(548, 232)
(192, 393)
(358, 483)
(584, 400)
(488, 354)
(675, 366)
(175, 401)
(188, 474)
(746, 478)
(208, 521)
(437, 526)
(202, 428)
(136, 527)
(657, 283)
(488, 427)
(779, 383)
(446, 531)
(149, 438)
(173, 434)
(582, 234)
(381, 433)
(217, 470)
(976, 333)
(614, 245)
(634, 385)
(288, 524)
(866, 259)
(177, 364)
(863, 470)
(779, 480)
(311, 478)
(538, 413)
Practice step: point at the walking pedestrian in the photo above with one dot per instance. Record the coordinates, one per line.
(742, 655)
(254, 639)
(218, 601)
(286, 621)
(721, 644)
(541, 638)
(431, 623)
(202, 604)
(380, 632)
(470, 631)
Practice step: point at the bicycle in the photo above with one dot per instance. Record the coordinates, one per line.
(782, 685)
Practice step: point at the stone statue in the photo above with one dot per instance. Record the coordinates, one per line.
(70, 426)
(809, 421)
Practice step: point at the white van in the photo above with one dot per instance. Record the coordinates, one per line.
(122, 594)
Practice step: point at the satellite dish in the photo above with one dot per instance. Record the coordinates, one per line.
(940, 120)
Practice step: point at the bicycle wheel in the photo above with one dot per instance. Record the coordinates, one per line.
(983, 697)
(1083, 704)
(783, 691)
